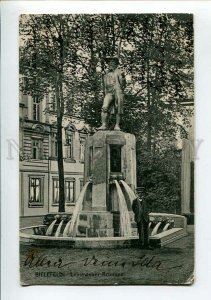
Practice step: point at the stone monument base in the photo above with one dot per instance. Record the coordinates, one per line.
(95, 224)
(102, 224)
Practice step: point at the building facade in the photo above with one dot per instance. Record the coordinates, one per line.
(39, 181)
(187, 175)
(187, 146)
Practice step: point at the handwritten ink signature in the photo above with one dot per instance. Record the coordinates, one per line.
(34, 260)
(143, 261)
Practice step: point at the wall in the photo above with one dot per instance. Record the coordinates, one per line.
(46, 168)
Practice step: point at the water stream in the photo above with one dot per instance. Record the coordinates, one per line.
(72, 230)
(59, 229)
(129, 191)
(166, 227)
(155, 229)
(125, 223)
(66, 229)
(50, 228)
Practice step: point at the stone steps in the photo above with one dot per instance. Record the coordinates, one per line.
(166, 237)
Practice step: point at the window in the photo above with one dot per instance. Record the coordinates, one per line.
(81, 183)
(69, 144)
(82, 151)
(115, 158)
(35, 192)
(36, 109)
(70, 190)
(52, 101)
(54, 145)
(82, 146)
(55, 191)
(36, 149)
(90, 161)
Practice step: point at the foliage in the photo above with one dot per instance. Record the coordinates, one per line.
(156, 52)
(47, 58)
(159, 175)
(68, 54)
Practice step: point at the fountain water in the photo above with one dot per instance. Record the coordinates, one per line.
(106, 219)
(58, 231)
(71, 226)
(74, 221)
(125, 223)
(51, 227)
(129, 191)
(166, 226)
(155, 229)
(150, 223)
(66, 229)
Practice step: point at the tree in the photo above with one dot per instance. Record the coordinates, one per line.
(156, 52)
(162, 78)
(48, 62)
(68, 53)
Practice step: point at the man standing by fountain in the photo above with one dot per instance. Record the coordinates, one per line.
(141, 211)
(114, 84)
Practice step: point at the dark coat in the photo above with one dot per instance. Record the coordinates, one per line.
(140, 210)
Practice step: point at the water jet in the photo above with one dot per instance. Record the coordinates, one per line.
(103, 216)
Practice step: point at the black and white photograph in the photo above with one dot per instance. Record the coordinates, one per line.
(106, 146)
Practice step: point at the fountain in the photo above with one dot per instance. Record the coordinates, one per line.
(49, 231)
(103, 216)
(72, 230)
(125, 223)
(59, 229)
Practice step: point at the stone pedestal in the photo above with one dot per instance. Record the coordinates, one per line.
(95, 224)
(109, 156)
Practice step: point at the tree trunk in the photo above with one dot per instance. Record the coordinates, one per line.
(60, 166)
(149, 136)
(60, 112)
(149, 112)
(113, 35)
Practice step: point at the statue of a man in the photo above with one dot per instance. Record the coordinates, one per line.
(114, 84)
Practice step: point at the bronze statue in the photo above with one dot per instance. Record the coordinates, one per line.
(114, 84)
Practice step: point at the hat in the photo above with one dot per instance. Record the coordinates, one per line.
(112, 58)
(140, 189)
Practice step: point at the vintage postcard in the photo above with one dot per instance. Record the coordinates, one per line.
(106, 144)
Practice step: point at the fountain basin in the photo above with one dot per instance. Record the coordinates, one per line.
(27, 236)
(35, 235)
